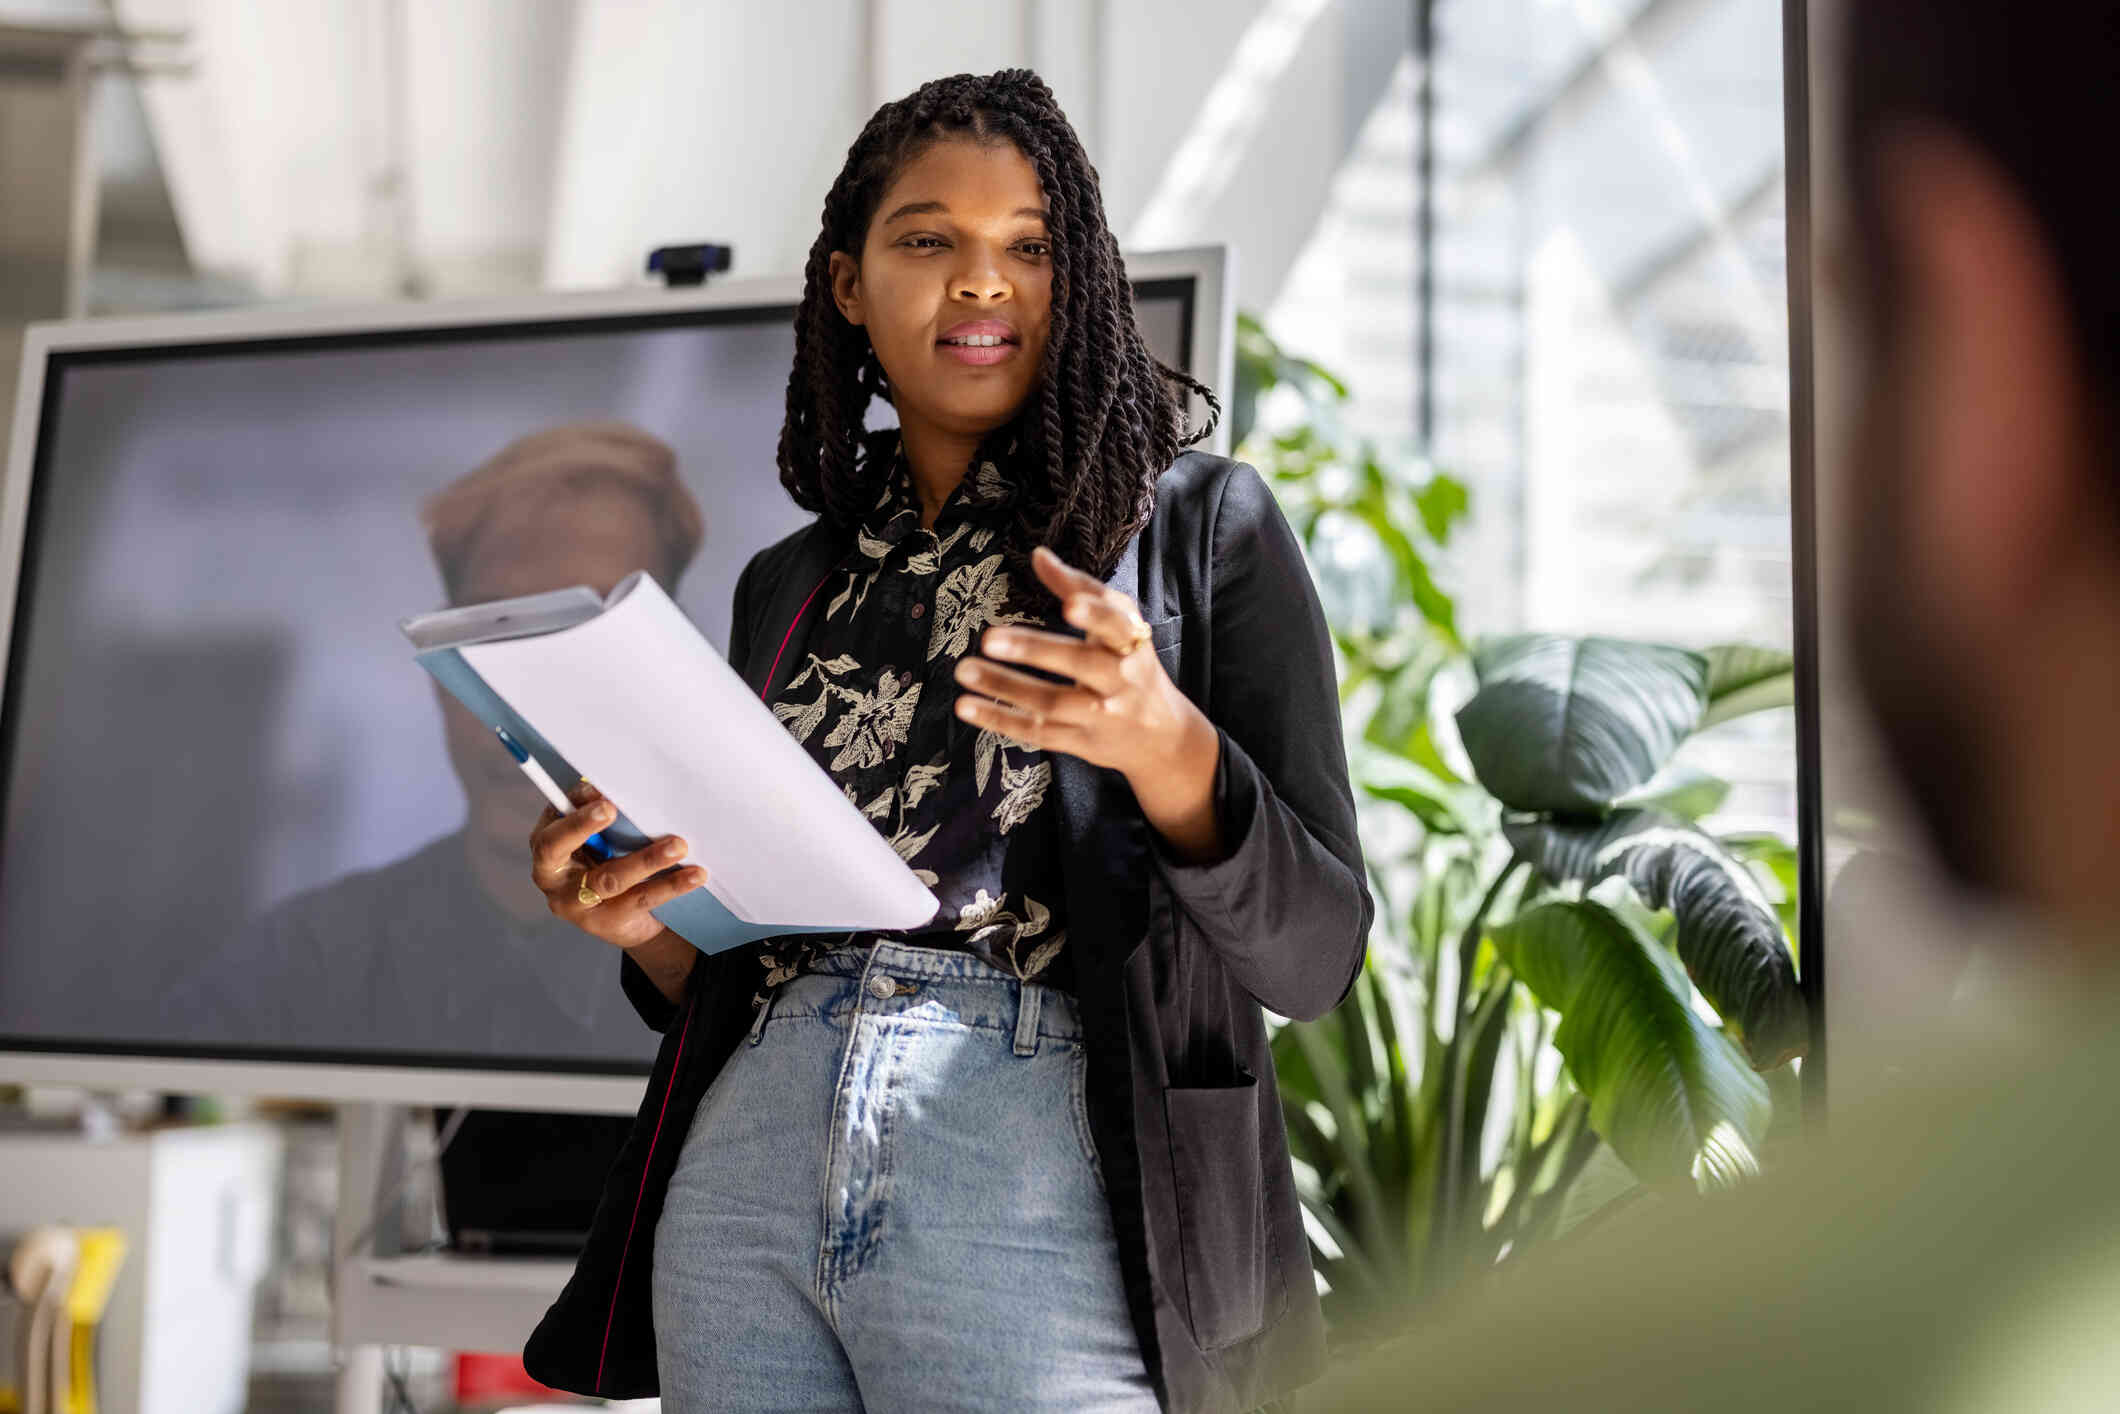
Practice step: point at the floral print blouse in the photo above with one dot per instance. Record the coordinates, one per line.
(873, 702)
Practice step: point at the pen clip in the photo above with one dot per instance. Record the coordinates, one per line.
(596, 844)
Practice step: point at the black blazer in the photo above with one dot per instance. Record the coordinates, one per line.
(1173, 960)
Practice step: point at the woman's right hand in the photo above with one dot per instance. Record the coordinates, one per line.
(631, 884)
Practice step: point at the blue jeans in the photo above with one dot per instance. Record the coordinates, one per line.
(889, 1200)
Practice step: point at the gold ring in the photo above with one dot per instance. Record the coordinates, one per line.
(1139, 636)
(586, 894)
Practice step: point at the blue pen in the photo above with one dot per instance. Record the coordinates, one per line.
(542, 779)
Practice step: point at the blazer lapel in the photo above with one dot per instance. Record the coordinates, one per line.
(1104, 836)
(1080, 786)
(784, 621)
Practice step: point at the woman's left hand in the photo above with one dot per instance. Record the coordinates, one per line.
(1121, 710)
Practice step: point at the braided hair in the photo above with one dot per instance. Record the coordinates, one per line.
(1104, 417)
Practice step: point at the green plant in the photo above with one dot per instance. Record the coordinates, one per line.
(1575, 992)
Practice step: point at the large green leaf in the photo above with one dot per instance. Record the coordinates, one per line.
(1603, 1179)
(1685, 791)
(1415, 580)
(1383, 775)
(1733, 667)
(1427, 805)
(1777, 857)
(1571, 725)
(1729, 937)
(1731, 942)
(1577, 850)
(1743, 678)
(1667, 1090)
(1401, 714)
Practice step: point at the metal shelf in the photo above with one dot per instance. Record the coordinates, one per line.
(447, 1299)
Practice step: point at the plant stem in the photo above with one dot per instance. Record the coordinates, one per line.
(1565, 1127)
(1521, 1146)
(1443, 1244)
(1469, 944)
(1580, 1148)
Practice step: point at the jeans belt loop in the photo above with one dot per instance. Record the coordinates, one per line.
(758, 1022)
(1028, 996)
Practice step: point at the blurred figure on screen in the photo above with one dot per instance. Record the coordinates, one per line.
(451, 949)
(584, 503)
(1952, 1243)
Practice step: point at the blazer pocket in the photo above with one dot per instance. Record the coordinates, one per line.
(1214, 1155)
(1165, 636)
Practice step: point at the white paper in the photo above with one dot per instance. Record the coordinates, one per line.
(641, 704)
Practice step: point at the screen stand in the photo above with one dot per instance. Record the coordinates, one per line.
(371, 1167)
(383, 1295)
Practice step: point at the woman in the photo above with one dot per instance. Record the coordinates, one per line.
(1029, 1155)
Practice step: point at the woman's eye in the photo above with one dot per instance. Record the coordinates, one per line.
(1031, 248)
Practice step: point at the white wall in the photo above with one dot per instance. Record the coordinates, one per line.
(690, 123)
(386, 148)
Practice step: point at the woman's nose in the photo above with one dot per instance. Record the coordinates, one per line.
(981, 279)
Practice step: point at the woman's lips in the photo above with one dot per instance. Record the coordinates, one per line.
(979, 354)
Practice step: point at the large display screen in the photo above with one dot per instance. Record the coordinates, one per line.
(239, 821)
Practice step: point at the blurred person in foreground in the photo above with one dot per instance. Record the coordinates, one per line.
(1953, 1243)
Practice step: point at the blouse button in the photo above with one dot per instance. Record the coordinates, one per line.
(919, 609)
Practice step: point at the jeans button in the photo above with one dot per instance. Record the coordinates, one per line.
(882, 986)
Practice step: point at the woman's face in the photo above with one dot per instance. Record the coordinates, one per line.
(957, 248)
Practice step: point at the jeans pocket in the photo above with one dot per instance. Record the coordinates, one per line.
(1214, 1156)
(1078, 1111)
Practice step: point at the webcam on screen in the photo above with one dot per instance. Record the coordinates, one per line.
(688, 264)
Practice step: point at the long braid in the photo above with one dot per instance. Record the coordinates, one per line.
(1107, 415)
